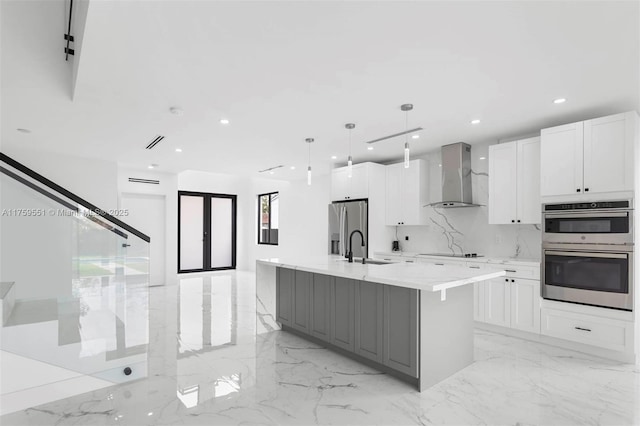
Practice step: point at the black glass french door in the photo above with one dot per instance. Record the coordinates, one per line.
(206, 231)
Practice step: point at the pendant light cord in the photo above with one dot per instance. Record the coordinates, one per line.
(406, 126)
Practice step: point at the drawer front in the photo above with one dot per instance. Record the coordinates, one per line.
(602, 332)
(440, 261)
(527, 272)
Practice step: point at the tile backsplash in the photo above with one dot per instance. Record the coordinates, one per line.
(466, 229)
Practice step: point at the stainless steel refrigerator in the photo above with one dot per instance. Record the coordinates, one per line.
(344, 218)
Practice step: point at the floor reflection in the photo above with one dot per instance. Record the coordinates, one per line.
(213, 342)
(207, 365)
(96, 329)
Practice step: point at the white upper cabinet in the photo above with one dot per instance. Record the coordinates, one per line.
(355, 187)
(593, 156)
(561, 160)
(528, 208)
(407, 193)
(514, 182)
(608, 154)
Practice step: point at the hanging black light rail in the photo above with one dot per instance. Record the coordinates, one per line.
(67, 50)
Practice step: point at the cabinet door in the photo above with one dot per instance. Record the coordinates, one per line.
(369, 313)
(284, 295)
(301, 300)
(528, 206)
(608, 155)
(320, 325)
(525, 305)
(343, 313)
(414, 193)
(339, 184)
(502, 183)
(400, 329)
(498, 301)
(394, 194)
(478, 301)
(561, 160)
(359, 182)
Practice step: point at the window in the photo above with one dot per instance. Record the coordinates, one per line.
(268, 218)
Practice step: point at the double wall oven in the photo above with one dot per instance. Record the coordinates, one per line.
(587, 253)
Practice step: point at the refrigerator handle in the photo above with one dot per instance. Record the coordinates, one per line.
(346, 230)
(343, 232)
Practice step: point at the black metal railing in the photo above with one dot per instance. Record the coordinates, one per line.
(94, 210)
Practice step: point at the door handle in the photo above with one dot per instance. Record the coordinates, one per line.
(126, 245)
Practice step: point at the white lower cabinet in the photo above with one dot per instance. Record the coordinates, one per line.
(525, 305)
(592, 330)
(508, 302)
(497, 296)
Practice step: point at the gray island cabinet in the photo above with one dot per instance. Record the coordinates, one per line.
(375, 323)
(412, 321)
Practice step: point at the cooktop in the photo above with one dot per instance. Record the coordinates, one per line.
(452, 255)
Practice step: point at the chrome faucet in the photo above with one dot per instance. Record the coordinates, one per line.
(350, 255)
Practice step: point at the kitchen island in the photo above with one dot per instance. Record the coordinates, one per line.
(414, 321)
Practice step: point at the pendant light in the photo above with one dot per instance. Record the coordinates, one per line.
(406, 108)
(309, 141)
(350, 127)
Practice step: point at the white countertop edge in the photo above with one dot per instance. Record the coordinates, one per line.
(435, 287)
(315, 270)
(389, 281)
(487, 259)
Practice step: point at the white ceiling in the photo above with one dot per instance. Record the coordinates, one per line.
(285, 71)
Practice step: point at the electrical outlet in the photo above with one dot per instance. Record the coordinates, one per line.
(406, 238)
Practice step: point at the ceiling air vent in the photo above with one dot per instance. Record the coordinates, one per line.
(155, 142)
(395, 135)
(149, 181)
(271, 169)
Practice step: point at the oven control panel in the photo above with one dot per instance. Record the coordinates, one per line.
(588, 206)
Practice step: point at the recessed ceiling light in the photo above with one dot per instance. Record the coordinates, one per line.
(23, 130)
(483, 158)
(333, 157)
(224, 121)
(176, 111)
(559, 101)
(178, 149)
(271, 172)
(370, 148)
(152, 166)
(292, 167)
(476, 121)
(415, 137)
(439, 165)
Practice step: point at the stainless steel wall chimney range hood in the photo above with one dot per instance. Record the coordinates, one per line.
(456, 176)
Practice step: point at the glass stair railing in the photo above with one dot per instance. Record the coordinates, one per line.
(74, 281)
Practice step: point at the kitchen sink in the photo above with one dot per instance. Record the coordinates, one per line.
(375, 262)
(368, 261)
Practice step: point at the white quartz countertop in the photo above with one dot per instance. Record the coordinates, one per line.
(488, 260)
(418, 276)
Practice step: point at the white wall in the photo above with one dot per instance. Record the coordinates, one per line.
(303, 213)
(168, 187)
(92, 179)
(466, 229)
(37, 251)
(303, 218)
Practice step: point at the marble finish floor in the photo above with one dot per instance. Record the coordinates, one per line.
(207, 366)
